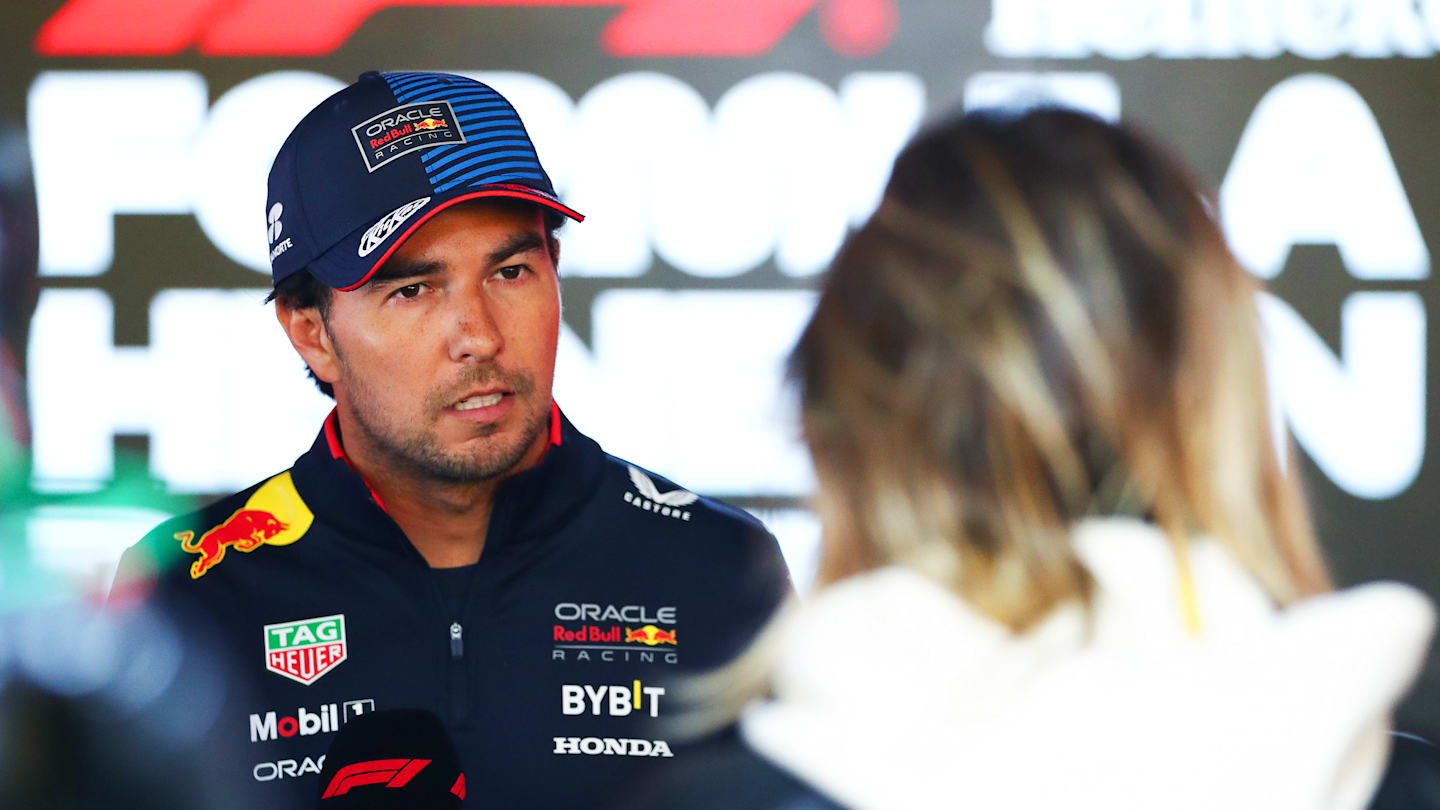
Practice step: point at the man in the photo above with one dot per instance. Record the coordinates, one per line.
(451, 542)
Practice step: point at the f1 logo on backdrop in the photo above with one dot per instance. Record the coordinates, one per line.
(643, 28)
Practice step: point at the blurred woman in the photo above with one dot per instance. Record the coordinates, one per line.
(1064, 563)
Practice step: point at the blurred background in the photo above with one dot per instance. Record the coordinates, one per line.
(721, 151)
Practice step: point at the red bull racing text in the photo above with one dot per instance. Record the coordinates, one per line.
(615, 642)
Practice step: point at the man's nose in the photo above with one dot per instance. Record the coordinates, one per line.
(475, 334)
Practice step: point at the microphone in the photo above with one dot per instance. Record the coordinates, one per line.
(394, 759)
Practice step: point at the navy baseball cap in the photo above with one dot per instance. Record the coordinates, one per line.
(367, 167)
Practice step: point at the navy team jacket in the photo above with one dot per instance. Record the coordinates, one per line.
(599, 584)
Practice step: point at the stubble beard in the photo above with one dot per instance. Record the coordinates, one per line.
(415, 450)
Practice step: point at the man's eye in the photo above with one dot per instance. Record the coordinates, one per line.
(408, 291)
(512, 272)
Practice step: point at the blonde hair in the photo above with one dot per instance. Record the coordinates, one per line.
(1040, 323)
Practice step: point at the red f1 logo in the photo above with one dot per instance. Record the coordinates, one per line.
(644, 28)
(393, 773)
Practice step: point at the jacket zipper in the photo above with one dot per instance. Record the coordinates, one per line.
(457, 673)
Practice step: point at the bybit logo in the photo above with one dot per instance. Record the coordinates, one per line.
(611, 700)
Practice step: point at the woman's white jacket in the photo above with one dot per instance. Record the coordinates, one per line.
(892, 693)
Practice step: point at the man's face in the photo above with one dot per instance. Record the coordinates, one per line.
(446, 356)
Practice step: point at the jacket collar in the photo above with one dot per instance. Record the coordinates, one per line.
(528, 506)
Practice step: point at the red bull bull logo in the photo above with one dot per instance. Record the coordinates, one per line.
(650, 635)
(246, 530)
(432, 123)
(274, 515)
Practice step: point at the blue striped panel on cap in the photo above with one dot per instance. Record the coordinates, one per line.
(497, 148)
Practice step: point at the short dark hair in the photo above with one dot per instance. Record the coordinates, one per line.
(302, 290)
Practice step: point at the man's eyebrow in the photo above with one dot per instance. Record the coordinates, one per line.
(518, 243)
(400, 270)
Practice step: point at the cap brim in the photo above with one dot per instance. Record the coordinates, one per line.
(344, 268)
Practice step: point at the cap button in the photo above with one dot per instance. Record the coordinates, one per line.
(369, 74)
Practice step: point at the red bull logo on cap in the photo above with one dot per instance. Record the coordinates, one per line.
(401, 130)
(275, 516)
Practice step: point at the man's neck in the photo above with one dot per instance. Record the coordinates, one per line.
(446, 522)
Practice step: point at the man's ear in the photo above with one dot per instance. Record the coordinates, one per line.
(306, 329)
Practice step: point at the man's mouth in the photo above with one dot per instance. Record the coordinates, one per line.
(479, 401)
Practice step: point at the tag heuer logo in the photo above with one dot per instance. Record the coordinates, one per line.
(305, 649)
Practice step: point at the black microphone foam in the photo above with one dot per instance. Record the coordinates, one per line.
(395, 759)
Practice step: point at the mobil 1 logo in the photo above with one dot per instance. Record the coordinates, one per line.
(327, 719)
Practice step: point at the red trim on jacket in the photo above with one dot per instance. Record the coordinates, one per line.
(337, 451)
